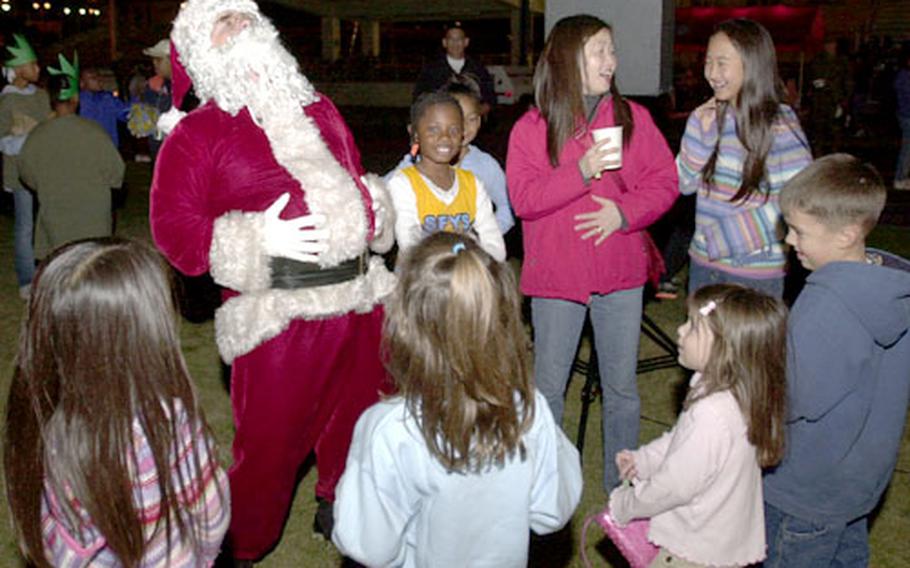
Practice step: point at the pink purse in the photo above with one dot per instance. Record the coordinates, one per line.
(631, 540)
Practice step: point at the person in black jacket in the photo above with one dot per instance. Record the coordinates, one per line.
(454, 63)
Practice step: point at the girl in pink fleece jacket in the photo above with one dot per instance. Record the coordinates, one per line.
(584, 228)
(700, 483)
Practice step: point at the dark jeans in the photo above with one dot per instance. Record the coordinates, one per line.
(798, 543)
(672, 234)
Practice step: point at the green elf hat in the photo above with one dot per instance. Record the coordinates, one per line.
(71, 72)
(20, 53)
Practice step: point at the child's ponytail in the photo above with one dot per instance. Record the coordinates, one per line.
(459, 354)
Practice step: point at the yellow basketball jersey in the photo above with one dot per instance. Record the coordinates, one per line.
(434, 215)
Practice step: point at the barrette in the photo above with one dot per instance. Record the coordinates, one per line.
(458, 247)
(707, 308)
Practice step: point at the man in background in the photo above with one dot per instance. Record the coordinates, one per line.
(829, 90)
(157, 92)
(454, 63)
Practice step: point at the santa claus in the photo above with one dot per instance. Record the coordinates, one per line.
(262, 185)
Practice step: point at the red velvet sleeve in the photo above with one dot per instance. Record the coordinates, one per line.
(179, 214)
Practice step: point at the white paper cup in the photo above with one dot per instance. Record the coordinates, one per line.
(614, 135)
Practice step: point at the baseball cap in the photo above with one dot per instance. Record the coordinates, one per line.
(160, 49)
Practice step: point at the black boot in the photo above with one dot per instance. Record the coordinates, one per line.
(324, 521)
(226, 558)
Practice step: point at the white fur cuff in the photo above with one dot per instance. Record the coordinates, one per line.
(237, 256)
(168, 121)
(385, 214)
(244, 322)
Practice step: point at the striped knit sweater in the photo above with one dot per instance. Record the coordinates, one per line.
(743, 238)
(206, 508)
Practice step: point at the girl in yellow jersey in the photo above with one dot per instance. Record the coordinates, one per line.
(432, 196)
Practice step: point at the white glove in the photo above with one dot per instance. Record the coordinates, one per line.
(301, 238)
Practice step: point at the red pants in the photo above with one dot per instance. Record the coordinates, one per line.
(301, 391)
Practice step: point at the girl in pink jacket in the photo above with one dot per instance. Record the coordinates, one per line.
(583, 227)
(700, 483)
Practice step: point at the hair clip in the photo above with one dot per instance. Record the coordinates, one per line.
(458, 247)
(707, 308)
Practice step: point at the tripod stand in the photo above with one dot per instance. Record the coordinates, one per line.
(591, 387)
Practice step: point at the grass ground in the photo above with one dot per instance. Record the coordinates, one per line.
(660, 391)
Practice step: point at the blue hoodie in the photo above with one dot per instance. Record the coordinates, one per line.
(848, 378)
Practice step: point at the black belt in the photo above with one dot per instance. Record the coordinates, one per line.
(289, 274)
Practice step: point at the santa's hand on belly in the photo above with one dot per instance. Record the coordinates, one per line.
(300, 238)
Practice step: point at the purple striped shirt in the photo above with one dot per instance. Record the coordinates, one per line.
(742, 238)
(205, 508)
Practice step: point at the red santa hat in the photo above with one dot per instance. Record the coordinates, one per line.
(180, 86)
(180, 80)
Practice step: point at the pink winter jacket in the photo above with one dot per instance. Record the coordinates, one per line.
(557, 263)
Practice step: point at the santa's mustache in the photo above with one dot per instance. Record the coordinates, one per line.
(256, 59)
(250, 49)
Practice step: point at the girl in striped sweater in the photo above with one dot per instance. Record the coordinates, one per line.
(738, 150)
(108, 458)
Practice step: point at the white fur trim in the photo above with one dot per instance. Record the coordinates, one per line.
(237, 258)
(168, 121)
(330, 190)
(385, 213)
(244, 322)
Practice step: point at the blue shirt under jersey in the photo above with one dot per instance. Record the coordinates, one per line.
(490, 174)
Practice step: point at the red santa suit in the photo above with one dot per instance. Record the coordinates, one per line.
(305, 361)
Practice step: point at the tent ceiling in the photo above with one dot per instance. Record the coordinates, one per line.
(409, 10)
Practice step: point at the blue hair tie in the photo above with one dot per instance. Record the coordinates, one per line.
(458, 247)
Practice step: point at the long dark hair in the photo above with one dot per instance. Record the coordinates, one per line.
(558, 83)
(756, 107)
(460, 356)
(99, 350)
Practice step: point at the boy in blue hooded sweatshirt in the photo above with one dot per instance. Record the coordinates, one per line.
(848, 370)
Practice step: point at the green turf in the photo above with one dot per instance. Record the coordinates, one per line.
(660, 393)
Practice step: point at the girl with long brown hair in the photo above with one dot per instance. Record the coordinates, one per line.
(108, 458)
(584, 229)
(700, 483)
(739, 149)
(455, 469)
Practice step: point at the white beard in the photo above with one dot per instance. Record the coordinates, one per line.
(252, 70)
